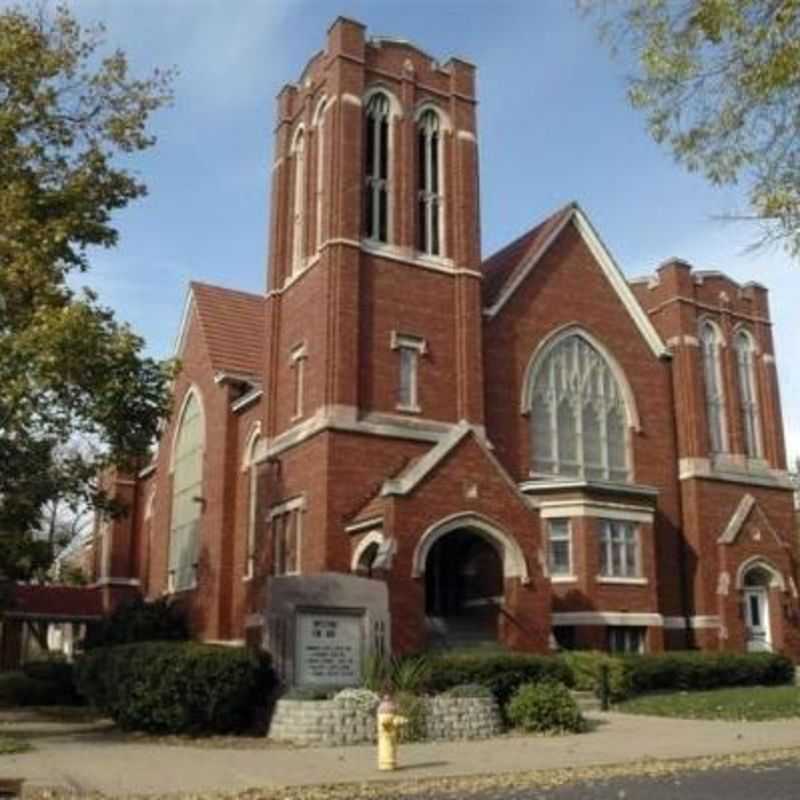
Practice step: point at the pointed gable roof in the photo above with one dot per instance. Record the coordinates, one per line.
(748, 506)
(500, 269)
(232, 325)
(507, 269)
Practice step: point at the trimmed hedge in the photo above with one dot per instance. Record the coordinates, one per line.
(586, 667)
(503, 674)
(178, 687)
(689, 670)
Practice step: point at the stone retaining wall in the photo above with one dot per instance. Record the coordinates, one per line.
(332, 722)
(463, 718)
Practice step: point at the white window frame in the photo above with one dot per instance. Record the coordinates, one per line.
(172, 586)
(319, 132)
(608, 538)
(294, 508)
(373, 183)
(562, 536)
(251, 468)
(429, 125)
(746, 351)
(627, 633)
(410, 347)
(299, 209)
(711, 344)
(299, 355)
(548, 390)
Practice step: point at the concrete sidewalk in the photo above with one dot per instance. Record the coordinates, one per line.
(92, 758)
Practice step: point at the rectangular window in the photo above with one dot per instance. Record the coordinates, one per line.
(407, 395)
(286, 533)
(252, 522)
(619, 549)
(560, 547)
(564, 636)
(626, 639)
(409, 349)
(299, 367)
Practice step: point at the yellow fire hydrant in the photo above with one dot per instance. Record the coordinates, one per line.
(389, 724)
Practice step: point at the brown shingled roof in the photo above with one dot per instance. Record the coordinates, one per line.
(500, 268)
(233, 327)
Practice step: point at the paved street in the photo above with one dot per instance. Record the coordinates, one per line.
(778, 781)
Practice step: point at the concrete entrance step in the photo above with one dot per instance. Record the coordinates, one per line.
(465, 632)
(587, 701)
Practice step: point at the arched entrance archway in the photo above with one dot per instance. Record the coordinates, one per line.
(464, 560)
(463, 590)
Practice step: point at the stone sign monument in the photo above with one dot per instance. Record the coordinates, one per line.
(329, 649)
(320, 628)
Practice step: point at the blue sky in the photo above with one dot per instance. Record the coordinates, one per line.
(554, 126)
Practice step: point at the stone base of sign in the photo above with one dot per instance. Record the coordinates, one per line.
(328, 722)
(321, 628)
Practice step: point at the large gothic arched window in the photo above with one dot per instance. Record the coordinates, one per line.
(429, 191)
(748, 393)
(376, 168)
(578, 414)
(187, 500)
(711, 343)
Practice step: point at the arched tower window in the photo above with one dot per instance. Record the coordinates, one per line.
(321, 155)
(376, 168)
(578, 414)
(711, 342)
(251, 466)
(748, 393)
(299, 212)
(187, 499)
(429, 190)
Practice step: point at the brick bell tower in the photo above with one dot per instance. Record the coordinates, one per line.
(374, 230)
(373, 313)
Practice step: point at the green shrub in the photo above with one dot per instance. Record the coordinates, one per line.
(177, 687)
(415, 710)
(139, 621)
(361, 699)
(586, 667)
(503, 674)
(385, 674)
(469, 690)
(546, 707)
(694, 670)
(18, 689)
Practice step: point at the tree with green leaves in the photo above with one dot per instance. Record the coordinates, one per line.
(69, 370)
(719, 82)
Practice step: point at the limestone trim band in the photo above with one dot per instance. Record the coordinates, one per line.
(639, 620)
(549, 509)
(701, 622)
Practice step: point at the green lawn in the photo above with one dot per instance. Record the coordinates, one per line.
(9, 745)
(741, 703)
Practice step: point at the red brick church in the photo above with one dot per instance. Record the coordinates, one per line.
(529, 448)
